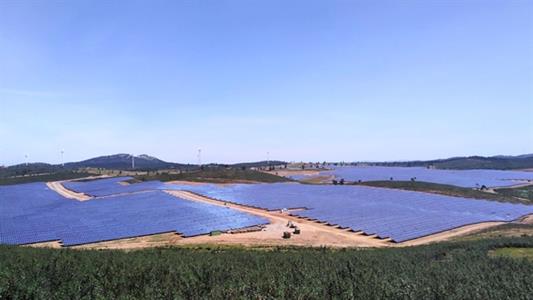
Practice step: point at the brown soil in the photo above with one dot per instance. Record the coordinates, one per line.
(52, 244)
(149, 241)
(527, 219)
(312, 233)
(288, 172)
(318, 179)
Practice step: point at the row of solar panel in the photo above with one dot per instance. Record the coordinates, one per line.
(377, 204)
(463, 178)
(359, 203)
(119, 185)
(36, 214)
(400, 215)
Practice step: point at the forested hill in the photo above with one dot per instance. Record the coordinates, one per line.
(112, 162)
(470, 162)
(121, 162)
(124, 162)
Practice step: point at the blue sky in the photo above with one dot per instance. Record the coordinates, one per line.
(303, 80)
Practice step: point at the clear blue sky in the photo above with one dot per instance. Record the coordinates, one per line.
(304, 80)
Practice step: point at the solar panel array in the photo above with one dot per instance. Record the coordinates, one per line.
(396, 214)
(115, 186)
(32, 213)
(110, 186)
(463, 178)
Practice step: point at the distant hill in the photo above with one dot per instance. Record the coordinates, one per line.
(120, 161)
(114, 162)
(471, 162)
(28, 169)
(124, 162)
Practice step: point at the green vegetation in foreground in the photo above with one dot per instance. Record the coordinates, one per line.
(444, 189)
(513, 252)
(525, 192)
(66, 175)
(216, 175)
(459, 270)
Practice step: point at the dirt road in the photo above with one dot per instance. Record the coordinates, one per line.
(58, 187)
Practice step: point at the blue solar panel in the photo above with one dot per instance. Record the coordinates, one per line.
(463, 178)
(110, 186)
(32, 213)
(400, 215)
(115, 185)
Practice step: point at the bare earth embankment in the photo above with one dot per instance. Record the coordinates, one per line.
(288, 172)
(58, 187)
(308, 176)
(447, 235)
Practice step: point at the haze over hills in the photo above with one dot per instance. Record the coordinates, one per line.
(123, 161)
(500, 162)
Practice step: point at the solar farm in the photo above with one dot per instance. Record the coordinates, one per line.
(110, 186)
(399, 215)
(462, 178)
(33, 213)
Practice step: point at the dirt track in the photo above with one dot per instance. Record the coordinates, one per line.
(312, 233)
(60, 189)
(446, 235)
(289, 172)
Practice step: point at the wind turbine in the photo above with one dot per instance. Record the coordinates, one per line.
(200, 158)
(26, 159)
(62, 157)
(133, 162)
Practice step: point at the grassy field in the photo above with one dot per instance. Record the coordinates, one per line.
(458, 270)
(216, 175)
(525, 192)
(504, 230)
(513, 252)
(443, 189)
